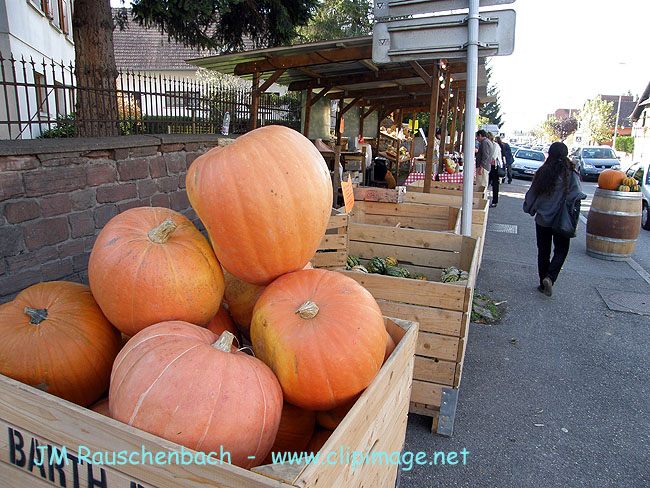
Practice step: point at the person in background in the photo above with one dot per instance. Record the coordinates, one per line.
(483, 158)
(506, 151)
(494, 170)
(555, 180)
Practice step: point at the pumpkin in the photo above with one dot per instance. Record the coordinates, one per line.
(183, 383)
(150, 265)
(101, 407)
(391, 261)
(377, 265)
(295, 431)
(635, 188)
(623, 188)
(330, 419)
(318, 440)
(223, 321)
(322, 334)
(360, 268)
(352, 261)
(610, 179)
(56, 338)
(265, 201)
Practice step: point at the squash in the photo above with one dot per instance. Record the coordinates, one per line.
(352, 261)
(101, 407)
(610, 179)
(322, 334)
(265, 201)
(623, 188)
(377, 265)
(629, 182)
(150, 265)
(635, 188)
(398, 272)
(221, 322)
(55, 338)
(330, 419)
(391, 261)
(295, 431)
(318, 440)
(213, 396)
(359, 268)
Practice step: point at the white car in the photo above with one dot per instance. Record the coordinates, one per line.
(641, 171)
(527, 162)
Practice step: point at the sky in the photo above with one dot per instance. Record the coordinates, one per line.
(569, 51)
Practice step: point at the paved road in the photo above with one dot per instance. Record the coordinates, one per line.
(557, 393)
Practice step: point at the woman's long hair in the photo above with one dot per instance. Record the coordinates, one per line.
(557, 163)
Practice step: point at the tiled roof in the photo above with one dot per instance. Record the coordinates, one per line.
(142, 48)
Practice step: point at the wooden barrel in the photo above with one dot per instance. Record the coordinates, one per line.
(613, 224)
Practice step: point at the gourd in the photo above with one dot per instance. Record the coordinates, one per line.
(377, 265)
(352, 261)
(629, 182)
(150, 265)
(183, 383)
(635, 188)
(610, 179)
(398, 272)
(359, 268)
(307, 324)
(55, 338)
(391, 261)
(624, 188)
(265, 201)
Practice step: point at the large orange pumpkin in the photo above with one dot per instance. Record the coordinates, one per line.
(330, 419)
(184, 384)
(610, 179)
(222, 322)
(265, 201)
(322, 334)
(55, 338)
(150, 265)
(295, 431)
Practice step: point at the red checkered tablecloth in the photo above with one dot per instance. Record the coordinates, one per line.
(444, 177)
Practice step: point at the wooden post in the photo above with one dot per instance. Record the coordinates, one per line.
(336, 178)
(380, 116)
(412, 148)
(398, 125)
(255, 100)
(443, 125)
(339, 117)
(433, 115)
(361, 121)
(461, 132)
(454, 122)
(307, 113)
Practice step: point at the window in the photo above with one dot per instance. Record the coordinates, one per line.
(647, 176)
(63, 106)
(64, 16)
(41, 93)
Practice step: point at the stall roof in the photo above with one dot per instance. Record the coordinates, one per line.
(345, 68)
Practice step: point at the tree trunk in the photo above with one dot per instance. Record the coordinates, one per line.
(95, 70)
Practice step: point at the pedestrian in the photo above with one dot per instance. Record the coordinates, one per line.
(556, 180)
(508, 159)
(483, 158)
(494, 170)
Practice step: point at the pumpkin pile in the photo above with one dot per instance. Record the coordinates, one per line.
(615, 180)
(188, 303)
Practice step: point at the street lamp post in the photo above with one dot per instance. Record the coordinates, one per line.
(618, 112)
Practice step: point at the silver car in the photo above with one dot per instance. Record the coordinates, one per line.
(641, 171)
(527, 162)
(593, 160)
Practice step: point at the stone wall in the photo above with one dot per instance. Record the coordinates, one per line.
(56, 195)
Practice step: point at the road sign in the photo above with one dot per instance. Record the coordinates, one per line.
(399, 8)
(442, 36)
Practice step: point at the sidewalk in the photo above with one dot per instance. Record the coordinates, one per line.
(558, 393)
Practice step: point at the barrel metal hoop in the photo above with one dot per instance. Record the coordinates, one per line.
(618, 195)
(609, 239)
(608, 256)
(613, 212)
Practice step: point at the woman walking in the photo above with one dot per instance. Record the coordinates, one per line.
(494, 170)
(555, 181)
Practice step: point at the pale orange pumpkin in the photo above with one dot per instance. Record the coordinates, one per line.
(221, 322)
(150, 265)
(295, 431)
(181, 382)
(322, 334)
(265, 201)
(56, 338)
(101, 407)
(610, 179)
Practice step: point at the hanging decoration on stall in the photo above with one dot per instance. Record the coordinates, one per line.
(348, 194)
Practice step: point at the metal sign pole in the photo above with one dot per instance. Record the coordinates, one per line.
(470, 117)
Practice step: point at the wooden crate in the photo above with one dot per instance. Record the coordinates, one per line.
(31, 418)
(407, 215)
(441, 188)
(332, 252)
(443, 310)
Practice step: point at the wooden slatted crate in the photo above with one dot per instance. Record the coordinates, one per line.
(332, 252)
(31, 418)
(409, 215)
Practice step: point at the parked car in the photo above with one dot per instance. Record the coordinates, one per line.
(593, 160)
(527, 162)
(641, 171)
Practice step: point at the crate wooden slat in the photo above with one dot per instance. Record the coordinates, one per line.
(425, 217)
(332, 251)
(29, 416)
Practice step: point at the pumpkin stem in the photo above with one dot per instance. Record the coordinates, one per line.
(160, 234)
(37, 315)
(224, 343)
(308, 310)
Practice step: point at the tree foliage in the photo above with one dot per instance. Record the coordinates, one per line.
(625, 144)
(596, 118)
(492, 110)
(562, 128)
(222, 24)
(337, 19)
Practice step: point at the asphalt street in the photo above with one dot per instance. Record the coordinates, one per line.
(557, 394)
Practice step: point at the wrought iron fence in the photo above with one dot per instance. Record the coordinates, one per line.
(50, 99)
